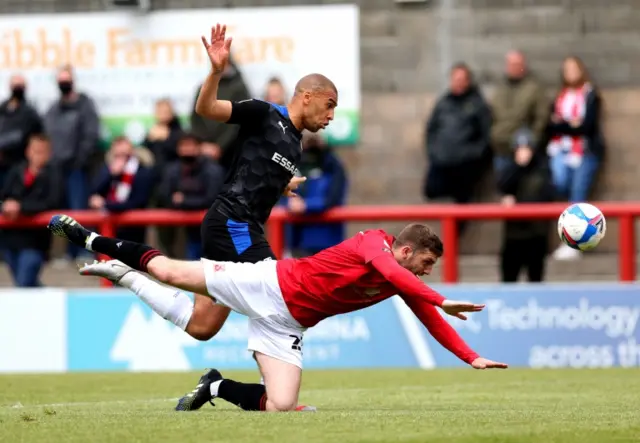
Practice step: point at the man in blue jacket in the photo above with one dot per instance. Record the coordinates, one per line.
(325, 188)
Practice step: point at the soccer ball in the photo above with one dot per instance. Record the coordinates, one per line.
(582, 226)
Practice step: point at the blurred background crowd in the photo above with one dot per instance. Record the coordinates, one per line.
(511, 137)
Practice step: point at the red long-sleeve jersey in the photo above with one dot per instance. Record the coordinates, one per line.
(357, 273)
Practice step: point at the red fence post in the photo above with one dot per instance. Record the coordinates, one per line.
(450, 240)
(276, 236)
(108, 230)
(627, 248)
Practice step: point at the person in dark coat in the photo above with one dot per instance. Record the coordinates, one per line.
(525, 179)
(458, 140)
(218, 138)
(190, 183)
(18, 122)
(31, 187)
(162, 138)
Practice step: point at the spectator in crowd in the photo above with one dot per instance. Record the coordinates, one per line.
(190, 184)
(576, 144)
(18, 122)
(325, 188)
(519, 103)
(219, 137)
(458, 140)
(275, 92)
(124, 183)
(525, 178)
(74, 129)
(162, 139)
(31, 186)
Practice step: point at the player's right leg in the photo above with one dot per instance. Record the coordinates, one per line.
(278, 394)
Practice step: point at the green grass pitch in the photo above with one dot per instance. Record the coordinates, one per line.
(452, 406)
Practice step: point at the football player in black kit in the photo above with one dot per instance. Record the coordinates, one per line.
(268, 147)
(264, 167)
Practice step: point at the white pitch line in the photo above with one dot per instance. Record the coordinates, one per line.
(90, 403)
(166, 400)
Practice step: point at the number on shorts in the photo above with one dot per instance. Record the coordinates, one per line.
(297, 343)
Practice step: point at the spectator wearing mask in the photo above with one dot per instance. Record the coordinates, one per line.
(124, 183)
(525, 178)
(576, 143)
(275, 92)
(219, 137)
(18, 122)
(162, 139)
(519, 103)
(190, 184)
(325, 188)
(73, 126)
(458, 140)
(31, 187)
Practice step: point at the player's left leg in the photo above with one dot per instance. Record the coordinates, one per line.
(282, 383)
(201, 317)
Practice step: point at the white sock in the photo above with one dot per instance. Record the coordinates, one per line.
(214, 388)
(89, 241)
(169, 303)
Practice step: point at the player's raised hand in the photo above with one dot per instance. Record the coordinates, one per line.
(218, 47)
(483, 363)
(456, 308)
(293, 185)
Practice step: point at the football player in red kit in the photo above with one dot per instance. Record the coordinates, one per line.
(283, 298)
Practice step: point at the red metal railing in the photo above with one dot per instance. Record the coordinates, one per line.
(448, 215)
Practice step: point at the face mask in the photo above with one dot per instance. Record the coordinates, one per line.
(188, 159)
(65, 87)
(17, 93)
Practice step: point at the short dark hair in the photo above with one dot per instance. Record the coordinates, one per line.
(462, 66)
(190, 136)
(420, 238)
(40, 137)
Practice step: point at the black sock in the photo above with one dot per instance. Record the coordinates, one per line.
(248, 396)
(130, 253)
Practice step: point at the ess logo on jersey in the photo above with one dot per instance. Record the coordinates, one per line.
(286, 164)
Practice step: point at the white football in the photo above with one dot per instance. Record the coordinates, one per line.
(582, 226)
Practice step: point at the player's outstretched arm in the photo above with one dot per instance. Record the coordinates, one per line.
(442, 331)
(404, 280)
(245, 112)
(483, 363)
(218, 48)
(408, 283)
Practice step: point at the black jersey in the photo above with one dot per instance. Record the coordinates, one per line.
(267, 150)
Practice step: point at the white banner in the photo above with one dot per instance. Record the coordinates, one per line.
(127, 61)
(33, 331)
